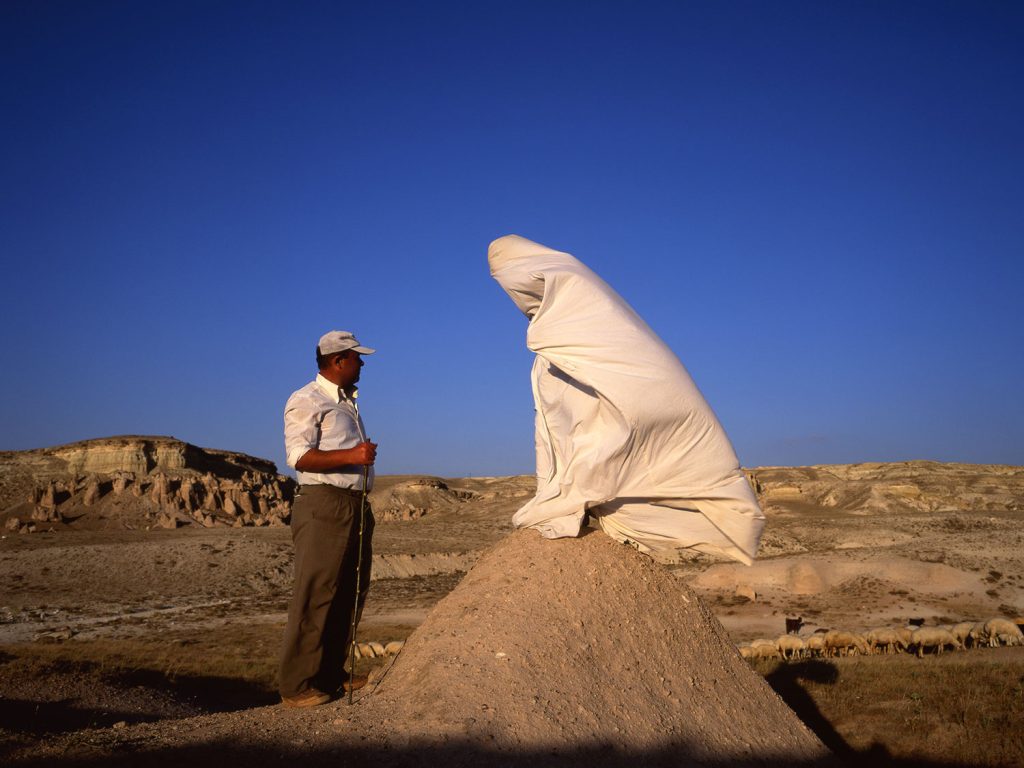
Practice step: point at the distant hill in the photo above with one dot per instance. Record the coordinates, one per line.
(879, 488)
(145, 481)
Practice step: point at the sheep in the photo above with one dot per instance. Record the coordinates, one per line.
(790, 646)
(933, 637)
(978, 635)
(962, 632)
(885, 641)
(759, 649)
(815, 644)
(764, 650)
(394, 647)
(906, 634)
(840, 643)
(1003, 631)
(364, 651)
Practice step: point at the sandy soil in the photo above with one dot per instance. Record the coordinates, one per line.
(852, 563)
(834, 568)
(543, 647)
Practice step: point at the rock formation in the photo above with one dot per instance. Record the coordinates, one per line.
(91, 492)
(120, 481)
(142, 482)
(877, 488)
(47, 496)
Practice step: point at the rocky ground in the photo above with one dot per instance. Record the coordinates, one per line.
(850, 546)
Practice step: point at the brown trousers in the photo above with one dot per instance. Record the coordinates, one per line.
(325, 532)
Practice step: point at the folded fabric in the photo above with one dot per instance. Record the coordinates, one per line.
(622, 431)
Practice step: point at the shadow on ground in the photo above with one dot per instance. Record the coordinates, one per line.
(134, 697)
(112, 749)
(210, 694)
(448, 756)
(785, 681)
(34, 720)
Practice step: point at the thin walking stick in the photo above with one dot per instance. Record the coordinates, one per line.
(355, 603)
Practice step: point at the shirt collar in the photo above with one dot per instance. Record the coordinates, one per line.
(336, 393)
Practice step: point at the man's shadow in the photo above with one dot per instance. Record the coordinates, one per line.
(785, 681)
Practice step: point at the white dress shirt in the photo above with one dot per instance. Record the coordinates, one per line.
(325, 416)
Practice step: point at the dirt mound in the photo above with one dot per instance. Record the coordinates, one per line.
(575, 643)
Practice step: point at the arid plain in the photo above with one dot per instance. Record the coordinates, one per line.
(145, 583)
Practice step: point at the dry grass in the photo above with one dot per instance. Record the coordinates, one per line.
(231, 663)
(241, 652)
(959, 708)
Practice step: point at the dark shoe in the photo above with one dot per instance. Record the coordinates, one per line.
(310, 697)
(354, 683)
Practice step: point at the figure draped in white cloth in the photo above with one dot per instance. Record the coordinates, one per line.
(623, 433)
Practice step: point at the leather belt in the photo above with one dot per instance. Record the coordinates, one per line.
(347, 491)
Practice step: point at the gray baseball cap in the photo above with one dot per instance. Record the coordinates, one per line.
(341, 341)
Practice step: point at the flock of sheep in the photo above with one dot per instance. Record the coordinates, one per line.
(835, 642)
(967, 634)
(374, 650)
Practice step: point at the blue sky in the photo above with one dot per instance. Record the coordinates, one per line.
(819, 207)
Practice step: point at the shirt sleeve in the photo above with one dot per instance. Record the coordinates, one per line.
(301, 428)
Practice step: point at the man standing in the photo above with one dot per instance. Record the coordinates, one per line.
(326, 444)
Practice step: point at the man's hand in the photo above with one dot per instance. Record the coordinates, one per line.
(364, 453)
(315, 460)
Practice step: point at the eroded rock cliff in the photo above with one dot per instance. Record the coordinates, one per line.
(136, 481)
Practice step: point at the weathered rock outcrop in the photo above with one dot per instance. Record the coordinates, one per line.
(138, 481)
(136, 454)
(877, 488)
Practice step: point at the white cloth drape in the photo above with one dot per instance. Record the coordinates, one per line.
(621, 428)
